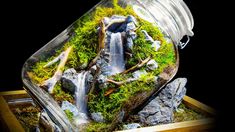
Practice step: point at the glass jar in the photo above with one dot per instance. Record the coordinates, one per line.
(140, 38)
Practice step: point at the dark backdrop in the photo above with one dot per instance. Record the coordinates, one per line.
(27, 26)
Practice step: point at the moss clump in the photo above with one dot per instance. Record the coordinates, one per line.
(60, 95)
(69, 114)
(187, 114)
(99, 127)
(28, 117)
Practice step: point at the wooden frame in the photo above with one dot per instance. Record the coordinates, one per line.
(10, 122)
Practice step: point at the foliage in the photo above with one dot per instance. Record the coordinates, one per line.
(99, 127)
(69, 114)
(27, 116)
(186, 114)
(60, 95)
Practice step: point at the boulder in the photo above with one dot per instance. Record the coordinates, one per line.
(152, 65)
(68, 106)
(156, 45)
(102, 79)
(160, 110)
(138, 74)
(131, 126)
(130, 19)
(147, 36)
(129, 44)
(93, 69)
(97, 116)
(69, 80)
(132, 34)
(130, 26)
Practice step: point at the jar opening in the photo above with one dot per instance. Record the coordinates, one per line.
(172, 16)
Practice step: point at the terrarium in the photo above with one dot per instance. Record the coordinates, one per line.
(108, 63)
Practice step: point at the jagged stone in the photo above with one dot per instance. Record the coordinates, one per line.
(68, 106)
(131, 126)
(93, 69)
(156, 45)
(102, 79)
(69, 80)
(97, 116)
(129, 44)
(130, 26)
(152, 65)
(139, 73)
(131, 18)
(160, 110)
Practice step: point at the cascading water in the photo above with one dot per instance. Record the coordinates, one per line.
(80, 93)
(81, 101)
(117, 63)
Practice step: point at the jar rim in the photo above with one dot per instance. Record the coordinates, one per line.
(172, 16)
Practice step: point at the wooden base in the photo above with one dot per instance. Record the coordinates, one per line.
(10, 123)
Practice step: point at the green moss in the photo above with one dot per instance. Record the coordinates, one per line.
(97, 127)
(187, 114)
(69, 114)
(109, 105)
(28, 117)
(60, 95)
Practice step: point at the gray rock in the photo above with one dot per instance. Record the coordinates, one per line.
(118, 17)
(106, 56)
(130, 26)
(131, 18)
(102, 79)
(180, 92)
(106, 21)
(97, 117)
(156, 45)
(152, 65)
(120, 116)
(131, 126)
(121, 28)
(138, 74)
(132, 34)
(117, 27)
(129, 44)
(147, 36)
(81, 118)
(107, 40)
(103, 65)
(89, 77)
(68, 106)
(160, 110)
(93, 69)
(69, 80)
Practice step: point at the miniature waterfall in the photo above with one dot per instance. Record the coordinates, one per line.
(80, 99)
(116, 54)
(80, 93)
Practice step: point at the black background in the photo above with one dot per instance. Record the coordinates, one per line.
(27, 26)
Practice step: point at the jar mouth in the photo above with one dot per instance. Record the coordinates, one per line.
(172, 16)
(185, 15)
